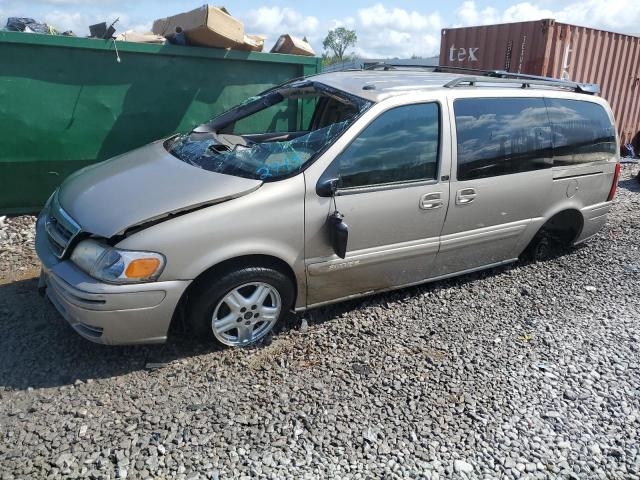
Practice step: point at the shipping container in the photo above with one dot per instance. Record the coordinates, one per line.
(68, 102)
(557, 50)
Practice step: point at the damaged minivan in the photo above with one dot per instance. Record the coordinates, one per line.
(325, 188)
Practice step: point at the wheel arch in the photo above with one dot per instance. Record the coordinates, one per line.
(569, 222)
(230, 264)
(566, 224)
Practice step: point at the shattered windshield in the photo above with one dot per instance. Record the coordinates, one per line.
(273, 135)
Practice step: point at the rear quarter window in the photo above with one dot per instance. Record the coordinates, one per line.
(501, 136)
(581, 132)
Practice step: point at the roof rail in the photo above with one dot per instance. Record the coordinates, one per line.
(526, 82)
(396, 66)
(432, 68)
(380, 65)
(512, 77)
(495, 76)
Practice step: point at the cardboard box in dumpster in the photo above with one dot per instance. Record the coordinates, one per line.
(292, 45)
(209, 26)
(133, 36)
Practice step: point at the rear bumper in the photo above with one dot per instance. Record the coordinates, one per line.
(595, 216)
(105, 313)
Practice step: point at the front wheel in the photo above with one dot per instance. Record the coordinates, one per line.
(241, 306)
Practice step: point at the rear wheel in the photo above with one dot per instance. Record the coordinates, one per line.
(540, 249)
(241, 307)
(556, 235)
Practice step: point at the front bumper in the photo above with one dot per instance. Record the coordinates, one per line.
(105, 313)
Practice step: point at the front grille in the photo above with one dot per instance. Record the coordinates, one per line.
(61, 228)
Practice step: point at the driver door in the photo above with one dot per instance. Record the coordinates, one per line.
(393, 191)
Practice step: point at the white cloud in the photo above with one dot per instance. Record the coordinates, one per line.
(378, 16)
(275, 21)
(617, 15)
(63, 21)
(468, 14)
(79, 22)
(394, 32)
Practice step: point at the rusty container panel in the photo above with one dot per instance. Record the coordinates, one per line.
(609, 59)
(516, 47)
(557, 50)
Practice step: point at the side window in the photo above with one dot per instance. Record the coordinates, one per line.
(401, 145)
(582, 132)
(501, 136)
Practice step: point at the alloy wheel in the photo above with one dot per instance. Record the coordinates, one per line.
(246, 314)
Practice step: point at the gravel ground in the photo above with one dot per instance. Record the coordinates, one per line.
(17, 255)
(530, 371)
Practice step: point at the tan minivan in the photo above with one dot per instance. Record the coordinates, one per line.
(395, 178)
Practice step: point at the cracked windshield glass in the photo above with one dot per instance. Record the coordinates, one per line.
(272, 135)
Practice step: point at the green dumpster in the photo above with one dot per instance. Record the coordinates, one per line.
(68, 102)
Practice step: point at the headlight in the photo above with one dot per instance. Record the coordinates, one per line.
(113, 265)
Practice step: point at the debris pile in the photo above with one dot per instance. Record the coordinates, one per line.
(29, 25)
(207, 26)
(293, 46)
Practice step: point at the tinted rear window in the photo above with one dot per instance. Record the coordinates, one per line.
(501, 136)
(582, 132)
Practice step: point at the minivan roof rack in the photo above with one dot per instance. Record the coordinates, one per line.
(526, 82)
(495, 76)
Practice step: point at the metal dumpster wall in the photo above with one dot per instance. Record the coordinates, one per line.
(559, 50)
(66, 102)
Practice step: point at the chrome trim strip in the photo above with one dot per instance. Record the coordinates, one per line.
(387, 186)
(578, 175)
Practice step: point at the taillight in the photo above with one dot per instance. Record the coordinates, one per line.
(614, 184)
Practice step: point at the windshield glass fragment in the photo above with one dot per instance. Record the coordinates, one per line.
(273, 135)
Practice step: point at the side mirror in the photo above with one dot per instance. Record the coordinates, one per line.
(327, 188)
(338, 233)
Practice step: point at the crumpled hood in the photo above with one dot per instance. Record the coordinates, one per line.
(141, 186)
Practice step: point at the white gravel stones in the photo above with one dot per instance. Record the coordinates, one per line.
(17, 254)
(462, 466)
(411, 384)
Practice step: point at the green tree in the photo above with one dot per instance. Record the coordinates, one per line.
(338, 40)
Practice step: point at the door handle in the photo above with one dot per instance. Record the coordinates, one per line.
(431, 201)
(465, 196)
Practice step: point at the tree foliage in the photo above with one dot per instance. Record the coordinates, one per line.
(332, 60)
(338, 40)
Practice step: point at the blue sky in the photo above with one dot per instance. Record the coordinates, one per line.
(385, 29)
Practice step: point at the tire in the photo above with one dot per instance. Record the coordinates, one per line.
(247, 303)
(539, 249)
